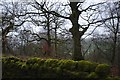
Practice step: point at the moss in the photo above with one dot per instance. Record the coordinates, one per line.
(67, 64)
(112, 78)
(33, 60)
(103, 70)
(53, 68)
(51, 63)
(86, 66)
(92, 75)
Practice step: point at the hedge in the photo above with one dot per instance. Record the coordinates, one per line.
(53, 68)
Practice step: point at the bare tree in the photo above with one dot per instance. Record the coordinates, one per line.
(76, 10)
(9, 15)
(112, 26)
(49, 22)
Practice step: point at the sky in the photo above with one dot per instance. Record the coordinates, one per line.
(87, 3)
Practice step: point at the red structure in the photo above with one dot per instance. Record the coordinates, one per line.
(46, 49)
(115, 70)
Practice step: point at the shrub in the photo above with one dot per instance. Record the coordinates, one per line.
(112, 78)
(92, 75)
(11, 59)
(11, 67)
(51, 63)
(86, 66)
(53, 68)
(33, 61)
(103, 70)
(67, 64)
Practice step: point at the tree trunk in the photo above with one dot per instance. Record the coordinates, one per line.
(4, 33)
(3, 45)
(77, 55)
(74, 17)
(48, 35)
(55, 41)
(113, 60)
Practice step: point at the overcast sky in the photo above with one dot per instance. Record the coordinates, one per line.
(87, 3)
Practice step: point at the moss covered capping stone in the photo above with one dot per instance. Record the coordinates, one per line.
(53, 68)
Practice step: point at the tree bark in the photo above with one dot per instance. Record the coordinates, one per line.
(77, 55)
(114, 49)
(74, 17)
(4, 34)
(56, 41)
(3, 45)
(48, 34)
